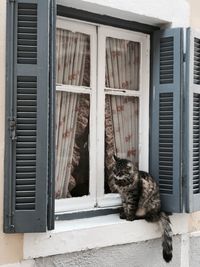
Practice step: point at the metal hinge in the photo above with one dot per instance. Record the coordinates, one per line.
(12, 127)
(184, 57)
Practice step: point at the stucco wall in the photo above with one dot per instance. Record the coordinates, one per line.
(194, 251)
(130, 255)
(10, 245)
(154, 12)
(194, 13)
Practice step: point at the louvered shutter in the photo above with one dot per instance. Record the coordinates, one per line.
(27, 115)
(192, 122)
(165, 141)
(52, 98)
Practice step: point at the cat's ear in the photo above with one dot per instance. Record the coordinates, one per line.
(115, 158)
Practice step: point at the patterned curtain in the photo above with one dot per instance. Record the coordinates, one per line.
(121, 112)
(122, 64)
(72, 109)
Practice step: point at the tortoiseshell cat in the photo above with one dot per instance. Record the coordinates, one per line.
(140, 199)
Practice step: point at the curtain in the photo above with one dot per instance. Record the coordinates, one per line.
(122, 64)
(121, 112)
(66, 117)
(72, 50)
(72, 109)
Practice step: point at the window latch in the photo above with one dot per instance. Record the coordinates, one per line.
(12, 125)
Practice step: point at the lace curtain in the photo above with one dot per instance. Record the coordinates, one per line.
(122, 64)
(72, 109)
(122, 112)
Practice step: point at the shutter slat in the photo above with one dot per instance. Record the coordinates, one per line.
(26, 157)
(166, 60)
(21, 175)
(196, 76)
(27, 31)
(196, 144)
(26, 162)
(27, 96)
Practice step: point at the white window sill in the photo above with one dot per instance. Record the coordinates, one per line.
(96, 232)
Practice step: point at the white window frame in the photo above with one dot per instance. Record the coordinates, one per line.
(97, 92)
(85, 202)
(143, 94)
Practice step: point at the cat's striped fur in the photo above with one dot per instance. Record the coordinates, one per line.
(141, 199)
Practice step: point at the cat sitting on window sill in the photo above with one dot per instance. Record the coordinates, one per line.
(140, 199)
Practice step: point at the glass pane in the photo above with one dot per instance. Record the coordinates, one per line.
(122, 64)
(72, 58)
(121, 132)
(72, 153)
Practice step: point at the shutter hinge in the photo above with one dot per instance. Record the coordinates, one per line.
(12, 228)
(184, 57)
(12, 126)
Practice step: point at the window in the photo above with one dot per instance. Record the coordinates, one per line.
(102, 103)
(103, 106)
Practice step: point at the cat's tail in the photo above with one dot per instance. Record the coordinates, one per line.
(166, 237)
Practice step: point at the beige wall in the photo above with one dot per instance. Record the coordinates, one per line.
(195, 13)
(11, 246)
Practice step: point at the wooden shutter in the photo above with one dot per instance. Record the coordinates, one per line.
(52, 112)
(165, 140)
(192, 122)
(27, 116)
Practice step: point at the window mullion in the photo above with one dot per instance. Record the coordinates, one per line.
(144, 105)
(89, 200)
(100, 113)
(93, 116)
(122, 93)
(73, 89)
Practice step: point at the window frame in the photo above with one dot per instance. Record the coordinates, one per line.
(107, 200)
(80, 203)
(96, 197)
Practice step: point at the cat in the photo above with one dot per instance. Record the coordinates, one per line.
(140, 199)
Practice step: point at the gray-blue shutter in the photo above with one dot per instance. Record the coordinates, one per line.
(52, 112)
(165, 140)
(192, 122)
(27, 116)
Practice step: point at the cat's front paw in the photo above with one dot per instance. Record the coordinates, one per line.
(130, 218)
(122, 214)
(141, 212)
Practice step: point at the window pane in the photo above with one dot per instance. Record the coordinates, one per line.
(72, 153)
(121, 131)
(122, 64)
(73, 58)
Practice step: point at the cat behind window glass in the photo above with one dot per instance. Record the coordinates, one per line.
(140, 199)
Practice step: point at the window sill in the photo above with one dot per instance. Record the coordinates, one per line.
(96, 232)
